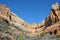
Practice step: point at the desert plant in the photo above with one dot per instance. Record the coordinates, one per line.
(42, 34)
(20, 38)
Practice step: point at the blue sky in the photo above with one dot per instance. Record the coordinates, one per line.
(32, 11)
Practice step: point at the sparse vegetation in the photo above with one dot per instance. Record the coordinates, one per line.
(20, 38)
(42, 34)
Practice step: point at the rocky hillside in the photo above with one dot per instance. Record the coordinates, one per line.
(13, 27)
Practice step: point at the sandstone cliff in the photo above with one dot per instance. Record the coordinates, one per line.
(13, 27)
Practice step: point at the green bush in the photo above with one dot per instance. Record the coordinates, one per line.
(20, 38)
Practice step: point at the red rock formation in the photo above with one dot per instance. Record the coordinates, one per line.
(50, 25)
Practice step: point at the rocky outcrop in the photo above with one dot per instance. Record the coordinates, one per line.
(13, 27)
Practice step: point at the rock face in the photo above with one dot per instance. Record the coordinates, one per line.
(53, 19)
(54, 15)
(14, 28)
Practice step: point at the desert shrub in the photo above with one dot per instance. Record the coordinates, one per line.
(20, 38)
